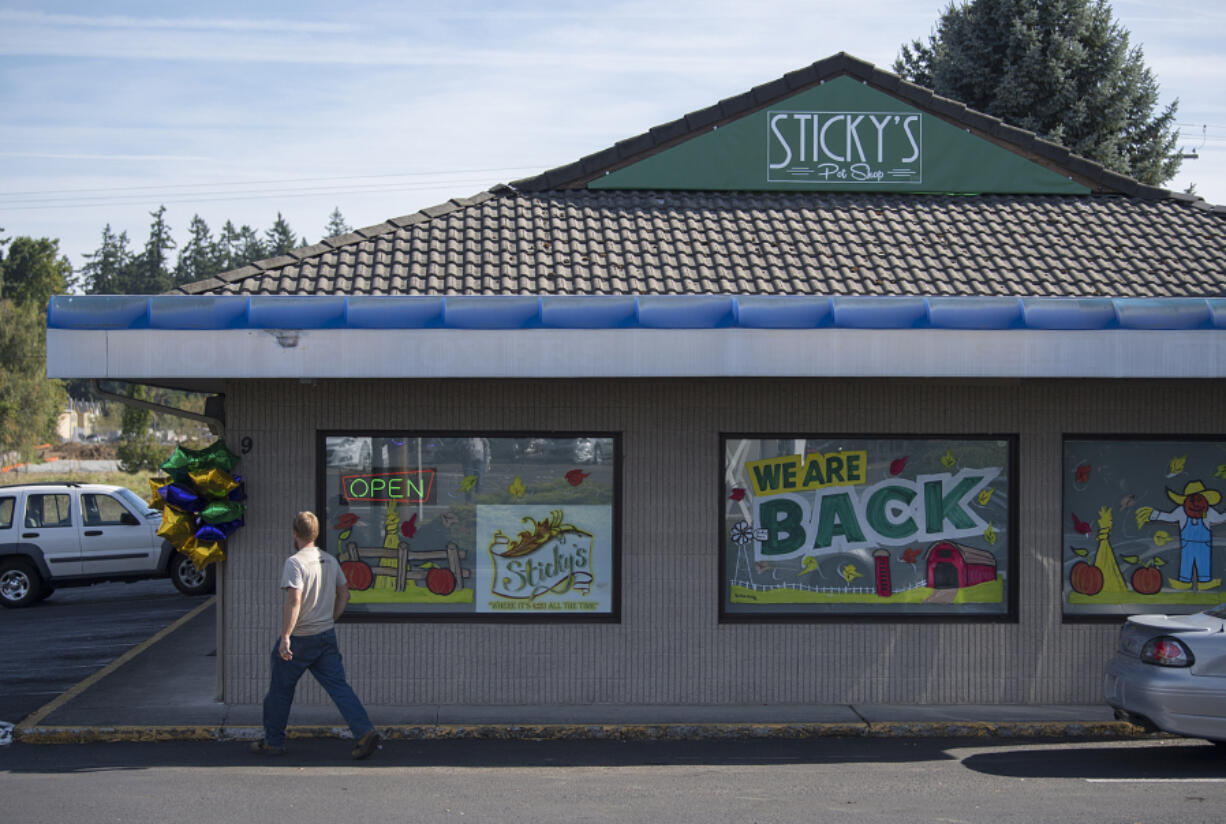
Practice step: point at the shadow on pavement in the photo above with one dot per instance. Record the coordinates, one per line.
(1018, 758)
(1193, 759)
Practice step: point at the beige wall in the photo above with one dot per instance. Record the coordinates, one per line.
(669, 648)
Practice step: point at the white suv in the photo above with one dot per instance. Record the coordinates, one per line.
(69, 534)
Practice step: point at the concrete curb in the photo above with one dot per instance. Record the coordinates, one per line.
(599, 732)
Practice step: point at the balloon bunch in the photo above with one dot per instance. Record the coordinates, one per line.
(201, 501)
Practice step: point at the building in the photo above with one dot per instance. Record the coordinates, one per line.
(634, 434)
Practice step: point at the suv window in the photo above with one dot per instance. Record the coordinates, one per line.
(45, 511)
(101, 510)
(6, 512)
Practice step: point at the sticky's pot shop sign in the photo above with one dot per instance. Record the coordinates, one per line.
(847, 147)
(816, 525)
(841, 135)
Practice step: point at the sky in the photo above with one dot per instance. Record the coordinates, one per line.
(243, 110)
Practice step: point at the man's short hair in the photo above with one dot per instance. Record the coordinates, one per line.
(306, 526)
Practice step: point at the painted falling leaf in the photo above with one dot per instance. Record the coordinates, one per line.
(468, 483)
(849, 573)
(517, 488)
(737, 494)
(1221, 471)
(909, 556)
(948, 460)
(989, 535)
(986, 495)
(1177, 465)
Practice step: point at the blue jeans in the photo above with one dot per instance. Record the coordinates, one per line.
(319, 654)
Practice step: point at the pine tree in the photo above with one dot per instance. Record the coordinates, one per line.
(198, 257)
(227, 247)
(151, 268)
(249, 248)
(280, 238)
(336, 224)
(109, 268)
(1061, 68)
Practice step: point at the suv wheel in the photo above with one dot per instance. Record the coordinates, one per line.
(20, 585)
(188, 579)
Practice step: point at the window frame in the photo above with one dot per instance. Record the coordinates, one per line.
(613, 616)
(1009, 614)
(1139, 606)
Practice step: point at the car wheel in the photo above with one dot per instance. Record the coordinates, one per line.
(188, 579)
(20, 585)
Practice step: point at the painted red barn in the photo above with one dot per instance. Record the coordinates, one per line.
(954, 566)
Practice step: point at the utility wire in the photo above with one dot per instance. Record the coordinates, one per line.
(273, 181)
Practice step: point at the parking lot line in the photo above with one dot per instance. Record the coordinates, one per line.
(42, 712)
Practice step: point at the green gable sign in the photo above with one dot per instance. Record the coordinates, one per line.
(840, 136)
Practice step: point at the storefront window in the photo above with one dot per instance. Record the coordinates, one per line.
(483, 527)
(1144, 525)
(821, 526)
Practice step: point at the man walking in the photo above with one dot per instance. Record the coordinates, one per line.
(315, 596)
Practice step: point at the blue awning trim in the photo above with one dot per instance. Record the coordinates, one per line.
(191, 312)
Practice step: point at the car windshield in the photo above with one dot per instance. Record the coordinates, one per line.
(1220, 612)
(133, 500)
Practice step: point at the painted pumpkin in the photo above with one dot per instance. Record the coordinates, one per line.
(1147, 580)
(357, 575)
(1086, 579)
(440, 581)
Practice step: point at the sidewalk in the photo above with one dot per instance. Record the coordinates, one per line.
(165, 690)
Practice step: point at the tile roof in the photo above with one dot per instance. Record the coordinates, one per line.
(547, 235)
(574, 242)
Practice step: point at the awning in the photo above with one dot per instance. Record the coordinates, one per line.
(192, 338)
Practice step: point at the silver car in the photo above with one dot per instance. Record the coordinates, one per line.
(1169, 674)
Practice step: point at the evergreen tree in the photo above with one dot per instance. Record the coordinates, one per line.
(151, 268)
(280, 238)
(250, 247)
(198, 257)
(228, 248)
(1061, 68)
(109, 269)
(336, 224)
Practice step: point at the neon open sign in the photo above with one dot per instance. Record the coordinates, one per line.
(406, 486)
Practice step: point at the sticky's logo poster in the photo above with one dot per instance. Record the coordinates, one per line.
(539, 559)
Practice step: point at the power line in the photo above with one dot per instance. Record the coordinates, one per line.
(223, 197)
(274, 181)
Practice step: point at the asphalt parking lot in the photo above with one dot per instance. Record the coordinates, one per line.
(53, 645)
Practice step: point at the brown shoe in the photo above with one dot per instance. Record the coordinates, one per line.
(366, 745)
(261, 748)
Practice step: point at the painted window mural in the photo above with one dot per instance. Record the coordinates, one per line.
(1144, 525)
(473, 526)
(833, 526)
